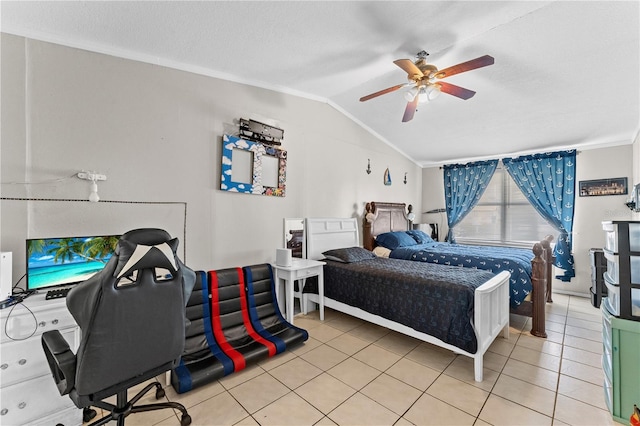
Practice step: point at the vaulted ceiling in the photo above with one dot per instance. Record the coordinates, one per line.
(566, 73)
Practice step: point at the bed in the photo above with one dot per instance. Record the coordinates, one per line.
(530, 281)
(391, 292)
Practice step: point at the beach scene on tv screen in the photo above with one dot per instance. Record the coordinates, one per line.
(59, 261)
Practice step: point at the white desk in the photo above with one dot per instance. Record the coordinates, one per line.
(300, 269)
(28, 393)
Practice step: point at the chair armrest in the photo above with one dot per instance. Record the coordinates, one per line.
(62, 362)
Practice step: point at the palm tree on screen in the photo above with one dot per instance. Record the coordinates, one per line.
(92, 249)
(100, 247)
(66, 249)
(35, 246)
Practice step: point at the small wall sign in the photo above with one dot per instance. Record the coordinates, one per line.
(597, 187)
(387, 177)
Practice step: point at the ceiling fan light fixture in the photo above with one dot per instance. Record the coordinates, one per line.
(411, 94)
(424, 94)
(433, 91)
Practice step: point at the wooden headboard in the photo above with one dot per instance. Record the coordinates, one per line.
(383, 217)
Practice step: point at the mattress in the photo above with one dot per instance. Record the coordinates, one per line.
(495, 259)
(434, 299)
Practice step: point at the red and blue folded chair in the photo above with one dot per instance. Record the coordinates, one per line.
(235, 321)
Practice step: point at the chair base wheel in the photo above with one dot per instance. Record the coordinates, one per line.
(185, 420)
(88, 414)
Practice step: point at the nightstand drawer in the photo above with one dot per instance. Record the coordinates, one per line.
(309, 272)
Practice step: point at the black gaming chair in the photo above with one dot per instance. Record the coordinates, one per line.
(132, 321)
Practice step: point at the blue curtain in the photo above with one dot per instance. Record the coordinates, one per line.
(548, 181)
(464, 184)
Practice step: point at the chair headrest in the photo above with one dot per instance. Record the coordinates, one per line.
(133, 256)
(146, 236)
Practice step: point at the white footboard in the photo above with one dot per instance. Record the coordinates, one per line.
(491, 315)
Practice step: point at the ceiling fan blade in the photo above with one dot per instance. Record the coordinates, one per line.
(409, 67)
(480, 62)
(382, 92)
(410, 109)
(454, 90)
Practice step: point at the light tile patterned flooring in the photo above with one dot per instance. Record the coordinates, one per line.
(351, 372)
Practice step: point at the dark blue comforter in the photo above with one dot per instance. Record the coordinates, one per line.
(495, 259)
(434, 299)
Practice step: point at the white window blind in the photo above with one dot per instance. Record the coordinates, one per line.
(503, 216)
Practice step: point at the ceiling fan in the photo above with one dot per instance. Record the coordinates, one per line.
(423, 77)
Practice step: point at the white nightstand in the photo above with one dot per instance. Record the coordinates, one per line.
(300, 269)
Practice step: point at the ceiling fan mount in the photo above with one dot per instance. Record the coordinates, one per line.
(427, 70)
(422, 78)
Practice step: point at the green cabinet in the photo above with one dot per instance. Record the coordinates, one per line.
(621, 364)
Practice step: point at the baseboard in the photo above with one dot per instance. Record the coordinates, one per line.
(571, 293)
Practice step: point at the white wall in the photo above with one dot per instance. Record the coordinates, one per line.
(600, 163)
(433, 198)
(636, 168)
(156, 133)
(589, 212)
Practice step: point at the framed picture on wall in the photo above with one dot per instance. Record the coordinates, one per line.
(252, 168)
(597, 187)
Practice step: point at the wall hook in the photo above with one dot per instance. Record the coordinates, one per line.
(368, 166)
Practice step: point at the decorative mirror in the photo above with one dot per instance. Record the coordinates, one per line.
(294, 237)
(252, 168)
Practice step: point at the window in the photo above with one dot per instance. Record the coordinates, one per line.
(503, 215)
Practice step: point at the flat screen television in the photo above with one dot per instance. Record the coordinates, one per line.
(56, 262)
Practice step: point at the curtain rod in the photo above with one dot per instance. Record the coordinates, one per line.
(500, 159)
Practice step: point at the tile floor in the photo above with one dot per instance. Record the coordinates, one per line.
(351, 372)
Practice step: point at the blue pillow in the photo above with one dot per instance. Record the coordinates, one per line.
(420, 236)
(393, 240)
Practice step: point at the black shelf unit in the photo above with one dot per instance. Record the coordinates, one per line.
(598, 268)
(622, 252)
